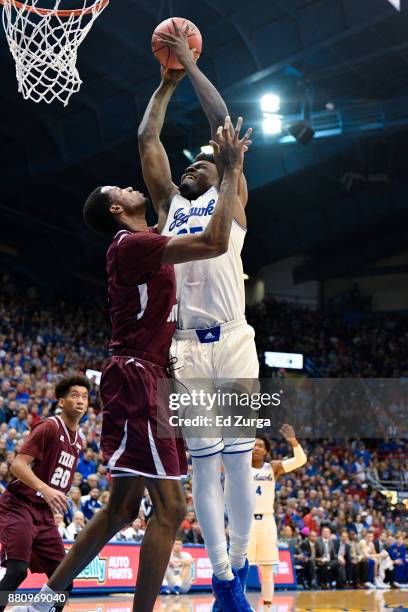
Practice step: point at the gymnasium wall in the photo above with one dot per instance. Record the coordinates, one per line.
(277, 280)
(388, 292)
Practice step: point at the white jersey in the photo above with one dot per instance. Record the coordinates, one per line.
(264, 484)
(209, 291)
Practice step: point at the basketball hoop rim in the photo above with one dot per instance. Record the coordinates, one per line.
(97, 6)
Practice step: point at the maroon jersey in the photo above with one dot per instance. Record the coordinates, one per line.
(142, 296)
(56, 451)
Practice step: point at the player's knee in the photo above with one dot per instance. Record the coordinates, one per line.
(173, 514)
(177, 511)
(120, 517)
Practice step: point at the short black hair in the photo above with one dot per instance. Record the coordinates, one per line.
(97, 215)
(205, 157)
(64, 386)
(266, 441)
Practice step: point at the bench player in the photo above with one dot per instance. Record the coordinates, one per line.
(142, 298)
(263, 546)
(43, 471)
(212, 339)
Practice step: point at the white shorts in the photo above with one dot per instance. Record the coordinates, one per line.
(263, 541)
(233, 356)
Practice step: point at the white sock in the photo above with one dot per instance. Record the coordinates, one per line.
(209, 507)
(240, 502)
(43, 607)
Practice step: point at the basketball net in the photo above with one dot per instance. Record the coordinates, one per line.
(44, 44)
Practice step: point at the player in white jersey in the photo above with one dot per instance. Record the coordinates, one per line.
(212, 338)
(263, 543)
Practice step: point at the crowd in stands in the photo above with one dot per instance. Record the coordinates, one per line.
(369, 347)
(330, 513)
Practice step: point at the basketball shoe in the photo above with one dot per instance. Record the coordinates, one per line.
(229, 596)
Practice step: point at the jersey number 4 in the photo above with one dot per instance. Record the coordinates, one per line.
(259, 490)
(60, 477)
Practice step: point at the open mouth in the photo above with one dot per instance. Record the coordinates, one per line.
(189, 177)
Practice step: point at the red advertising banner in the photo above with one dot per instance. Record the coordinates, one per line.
(115, 570)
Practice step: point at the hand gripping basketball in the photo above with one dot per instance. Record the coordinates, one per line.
(175, 49)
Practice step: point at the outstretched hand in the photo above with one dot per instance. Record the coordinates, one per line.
(288, 432)
(178, 42)
(229, 148)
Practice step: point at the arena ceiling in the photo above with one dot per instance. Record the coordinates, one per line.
(351, 54)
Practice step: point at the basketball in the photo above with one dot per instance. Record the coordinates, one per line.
(163, 53)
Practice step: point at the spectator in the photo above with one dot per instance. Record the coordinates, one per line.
(86, 464)
(146, 506)
(287, 539)
(11, 440)
(19, 422)
(3, 411)
(103, 482)
(193, 535)
(74, 504)
(134, 532)
(77, 480)
(122, 535)
(357, 572)
(4, 475)
(378, 563)
(90, 503)
(59, 521)
(326, 559)
(397, 552)
(306, 557)
(343, 552)
(90, 483)
(309, 520)
(76, 526)
(104, 498)
(34, 411)
(179, 573)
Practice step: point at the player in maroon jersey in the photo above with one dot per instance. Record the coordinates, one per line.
(43, 471)
(142, 298)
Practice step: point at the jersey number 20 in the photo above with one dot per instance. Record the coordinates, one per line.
(60, 478)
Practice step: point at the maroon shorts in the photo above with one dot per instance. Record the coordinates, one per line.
(28, 533)
(132, 413)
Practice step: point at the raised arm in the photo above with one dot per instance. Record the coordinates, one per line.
(299, 458)
(210, 98)
(214, 240)
(155, 163)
